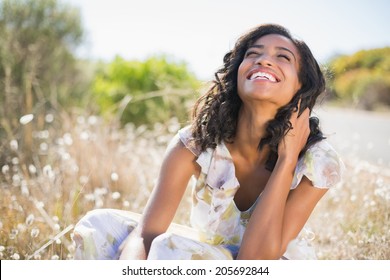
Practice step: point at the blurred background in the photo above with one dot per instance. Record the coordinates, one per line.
(91, 92)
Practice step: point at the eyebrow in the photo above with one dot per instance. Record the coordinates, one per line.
(278, 48)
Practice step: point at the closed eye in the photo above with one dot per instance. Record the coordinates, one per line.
(286, 57)
(251, 53)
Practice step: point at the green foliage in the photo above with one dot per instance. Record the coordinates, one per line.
(154, 90)
(363, 79)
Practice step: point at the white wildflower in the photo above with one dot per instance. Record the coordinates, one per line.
(34, 232)
(32, 169)
(24, 188)
(84, 135)
(16, 180)
(43, 147)
(83, 179)
(89, 197)
(39, 204)
(115, 195)
(68, 139)
(14, 145)
(15, 161)
(5, 169)
(114, 176)
(49, 118)
(48, 171)
(30, 219)
(26, 119)
(21, 227)
(92, 120)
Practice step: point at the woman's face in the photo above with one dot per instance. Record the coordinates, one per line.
(269, 71)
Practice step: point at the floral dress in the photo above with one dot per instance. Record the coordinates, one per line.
(217, 224)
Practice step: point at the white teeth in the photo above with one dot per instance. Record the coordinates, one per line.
(262, 75)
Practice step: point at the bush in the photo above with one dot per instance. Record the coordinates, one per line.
(145, 92)
(363, 79)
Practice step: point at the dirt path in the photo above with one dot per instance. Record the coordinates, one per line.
(361, 134)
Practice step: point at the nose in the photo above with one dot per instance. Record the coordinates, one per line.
(264, 60)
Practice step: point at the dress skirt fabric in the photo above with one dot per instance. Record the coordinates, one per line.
(99, 234)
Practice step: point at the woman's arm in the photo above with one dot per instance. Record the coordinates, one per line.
(177, 168)
(280, 213)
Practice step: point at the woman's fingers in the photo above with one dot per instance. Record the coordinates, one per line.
(299, 105)
(297, 136)
(302, 122)
(296, 117)
(295, 112)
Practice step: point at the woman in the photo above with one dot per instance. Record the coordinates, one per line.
(261, 164)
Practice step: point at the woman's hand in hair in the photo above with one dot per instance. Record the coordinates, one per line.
(295, 139)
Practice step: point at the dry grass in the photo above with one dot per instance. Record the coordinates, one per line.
(353, 219)
(85, 163)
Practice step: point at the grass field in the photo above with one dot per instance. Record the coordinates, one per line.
(86, 163)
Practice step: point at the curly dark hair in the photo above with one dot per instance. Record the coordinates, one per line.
(215, 113)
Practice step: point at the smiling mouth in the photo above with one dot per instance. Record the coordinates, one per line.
(263, 76)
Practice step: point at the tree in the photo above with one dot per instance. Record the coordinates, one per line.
(37, 66)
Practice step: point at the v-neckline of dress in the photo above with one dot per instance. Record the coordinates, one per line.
(250, 209)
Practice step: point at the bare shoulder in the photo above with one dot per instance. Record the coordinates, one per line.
(179, 155)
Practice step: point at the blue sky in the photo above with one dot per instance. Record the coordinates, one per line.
(200, 32)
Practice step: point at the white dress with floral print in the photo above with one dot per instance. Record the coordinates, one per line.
(217, 224)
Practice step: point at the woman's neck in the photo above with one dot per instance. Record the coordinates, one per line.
(251, 128)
